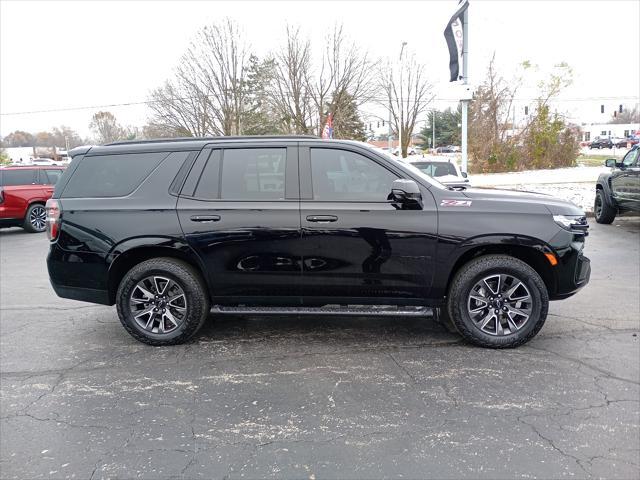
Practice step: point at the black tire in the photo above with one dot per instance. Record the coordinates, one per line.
(34, 220)
(602, 210)
(471, 274)
(186, 279)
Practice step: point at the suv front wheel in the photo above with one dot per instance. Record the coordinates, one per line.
(498, 301)
(162, 301)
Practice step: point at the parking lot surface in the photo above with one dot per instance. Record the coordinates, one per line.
(333, 397)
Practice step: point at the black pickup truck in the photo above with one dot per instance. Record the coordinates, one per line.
(619, 190)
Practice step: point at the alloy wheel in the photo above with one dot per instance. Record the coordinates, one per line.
(500, 304)
(158, 304)
(37, 218)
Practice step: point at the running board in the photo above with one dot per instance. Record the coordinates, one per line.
(355, 310)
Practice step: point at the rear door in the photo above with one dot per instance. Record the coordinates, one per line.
(239, 209)
(19, 185)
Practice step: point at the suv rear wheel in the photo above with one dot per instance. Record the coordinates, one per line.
(35, 219)
(603, 212)
(498, 301)
(162, 301)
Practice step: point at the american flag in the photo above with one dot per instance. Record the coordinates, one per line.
(327, 132)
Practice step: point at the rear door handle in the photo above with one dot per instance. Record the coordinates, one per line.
(205, 218)
(322, 218)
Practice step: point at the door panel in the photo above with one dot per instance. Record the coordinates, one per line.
(625, 182)
(249, 246)
(361, 249)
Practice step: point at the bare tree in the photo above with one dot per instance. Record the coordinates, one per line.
(206, 97)
(406, 96)
(106, 127)
(291, 95)
(344, 77)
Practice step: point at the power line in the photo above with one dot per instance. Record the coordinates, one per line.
(373, 99)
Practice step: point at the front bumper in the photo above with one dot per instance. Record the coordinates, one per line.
(572, 273)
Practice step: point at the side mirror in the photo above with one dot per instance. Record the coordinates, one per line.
(610, 162)
(464, 174)
(406, 193)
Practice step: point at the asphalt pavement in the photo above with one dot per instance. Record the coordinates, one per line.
(286, 397)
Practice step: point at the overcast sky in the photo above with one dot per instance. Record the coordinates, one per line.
(62, 55)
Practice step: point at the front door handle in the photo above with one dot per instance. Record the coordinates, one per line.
(322, 218)
(205, 218)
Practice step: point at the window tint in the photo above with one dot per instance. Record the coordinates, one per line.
(111, 175)
(253, 174)
(630, 158)
(347, 176)
(437, 169)
(208, 186)
(17, 177)
(50, 177)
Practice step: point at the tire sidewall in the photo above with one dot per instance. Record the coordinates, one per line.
(187, 327)
(533, 282)
(28, 226)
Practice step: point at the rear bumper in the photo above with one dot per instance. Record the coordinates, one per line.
(82, 294)
(78, 275)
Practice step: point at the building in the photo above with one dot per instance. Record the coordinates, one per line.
(618, 130)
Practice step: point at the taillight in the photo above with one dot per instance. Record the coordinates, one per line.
(53, 218)
(1, 195)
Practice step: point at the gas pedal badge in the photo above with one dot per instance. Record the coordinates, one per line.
(455, 203)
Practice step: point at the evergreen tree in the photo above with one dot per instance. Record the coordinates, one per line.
(347, 123)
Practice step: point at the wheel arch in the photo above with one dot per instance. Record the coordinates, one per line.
(127, 259)
(531, 253)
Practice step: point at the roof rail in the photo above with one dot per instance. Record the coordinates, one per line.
(195, 139)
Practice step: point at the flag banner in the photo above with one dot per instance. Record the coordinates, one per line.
(453, 36)
(327, 132)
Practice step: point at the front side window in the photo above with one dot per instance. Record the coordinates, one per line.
(631, 158)
(341, 175)
(253, 174)
(10, 178)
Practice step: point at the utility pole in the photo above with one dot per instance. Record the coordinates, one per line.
(401, 105)
(465, 81)
(433, 126)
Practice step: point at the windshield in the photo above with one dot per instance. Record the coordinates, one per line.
(436, 169)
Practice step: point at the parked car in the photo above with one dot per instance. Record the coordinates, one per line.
(604, 142)
(166, 230)
(619, 190)
(445, 171)
(23, 194)
(446, 149)
(619, 142)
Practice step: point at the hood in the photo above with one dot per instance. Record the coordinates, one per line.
(554, 205)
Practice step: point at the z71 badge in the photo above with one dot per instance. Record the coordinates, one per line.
(455, 203)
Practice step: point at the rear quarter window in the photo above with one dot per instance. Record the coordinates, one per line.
(9, 178)
(111, 175)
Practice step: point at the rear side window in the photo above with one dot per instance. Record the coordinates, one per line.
(111, 175)
(50, 176)
(208, 186)
(10, 178)
(253, 174)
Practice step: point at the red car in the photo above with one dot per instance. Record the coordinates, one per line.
(23, 194)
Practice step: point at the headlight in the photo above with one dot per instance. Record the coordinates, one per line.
(573, 223)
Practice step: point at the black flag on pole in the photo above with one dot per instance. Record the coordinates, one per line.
(453, 35)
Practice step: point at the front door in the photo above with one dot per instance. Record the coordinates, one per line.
(625, 182)
(239, 209)
(356, 245)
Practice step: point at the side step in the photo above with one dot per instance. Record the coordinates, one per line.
(352, 310)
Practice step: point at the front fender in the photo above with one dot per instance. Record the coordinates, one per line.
(604, 183)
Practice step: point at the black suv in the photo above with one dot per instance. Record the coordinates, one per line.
(168, 230)
(618, 190)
